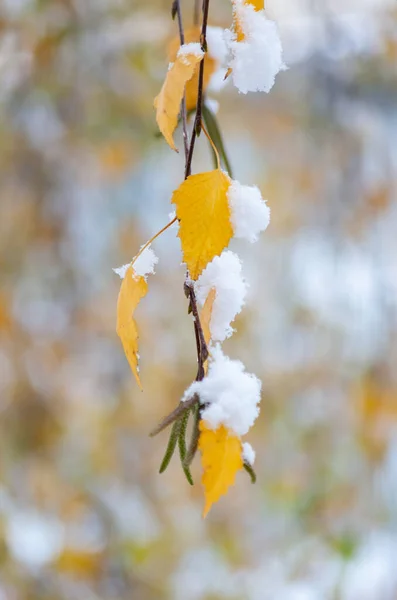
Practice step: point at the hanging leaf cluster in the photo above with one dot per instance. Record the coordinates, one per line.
(210, 210)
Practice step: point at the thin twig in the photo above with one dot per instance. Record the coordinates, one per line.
(203, 350)
(197, 120)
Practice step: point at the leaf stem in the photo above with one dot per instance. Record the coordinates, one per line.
(156, 235)
(213, 129)
(207, 135)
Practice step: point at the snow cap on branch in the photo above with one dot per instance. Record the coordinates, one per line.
(230, 394)
(249, 213)
(224, 274)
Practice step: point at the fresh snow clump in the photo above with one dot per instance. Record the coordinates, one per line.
(249, 213)
(216, 44)
(224, 274)
(248, 453)
(143, 266)
(121, 271)
(218, 51)
(187, 49)
(232, 395)
(255, 60)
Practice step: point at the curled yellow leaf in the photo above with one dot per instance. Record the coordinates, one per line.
(133, 289)
(206, 314)
(221, 458)
(168, 102)
(192, 35)
(205, 319)
(203, 211)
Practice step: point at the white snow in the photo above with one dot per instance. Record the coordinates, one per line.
(224, 274)
(256, 60)
(248, 453)
(186, 50)
(143, 265)
(216, 44)
(232, 395)
(249, 213)
(212, 104)
(33, 538)
(121, 271)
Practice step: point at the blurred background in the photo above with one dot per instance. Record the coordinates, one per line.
(85, 180)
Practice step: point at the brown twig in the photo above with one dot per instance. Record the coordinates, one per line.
(202, 351)
(202, 346)
(197, 119)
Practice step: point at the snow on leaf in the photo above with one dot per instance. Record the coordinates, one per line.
(221, 458)
(255, 49)
(192, 35)
(168, 102)
(224, 274)
(257, 4)
(203, 211)
(133, 289)
(249, 213)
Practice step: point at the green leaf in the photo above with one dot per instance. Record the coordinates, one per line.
(213, 129)
(182, 446)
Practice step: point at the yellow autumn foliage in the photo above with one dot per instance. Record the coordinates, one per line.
(133, 289)
(168, 102)
(204, 218)
(221, 458)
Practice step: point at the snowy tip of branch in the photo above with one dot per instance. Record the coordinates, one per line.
(249, 213)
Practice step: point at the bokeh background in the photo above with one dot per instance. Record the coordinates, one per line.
(84, 180)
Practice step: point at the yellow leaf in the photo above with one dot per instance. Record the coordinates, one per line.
(221, 457)
(192, 35)
(133, 289)
(168, 102)
(203, 211)
(206, 314)
(257, 4)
